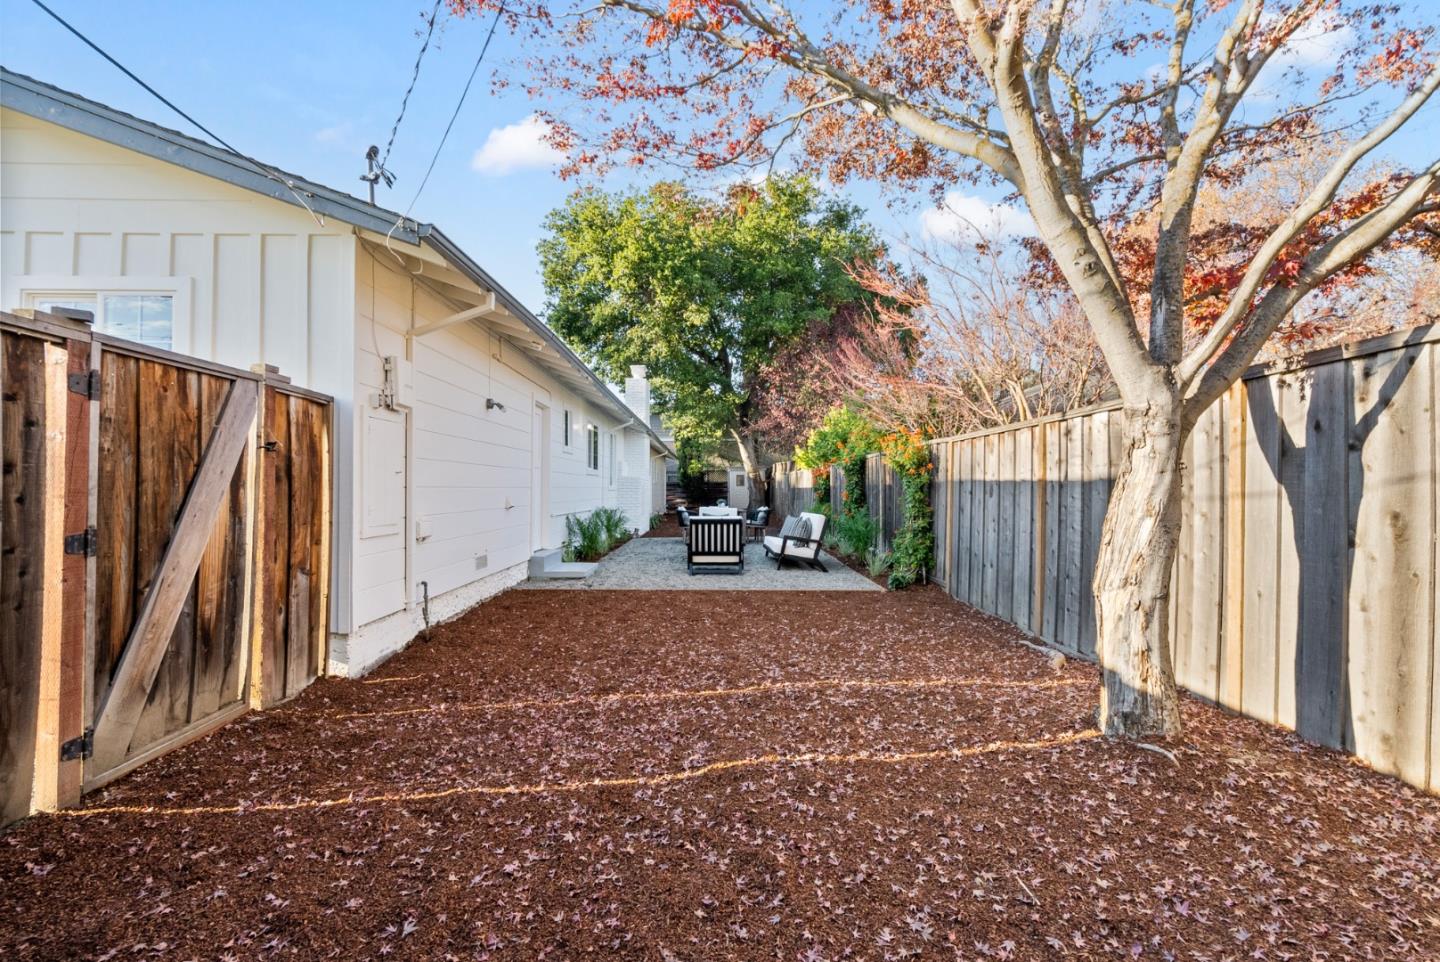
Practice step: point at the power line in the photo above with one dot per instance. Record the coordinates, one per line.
(463, 94)
(267, 171)
(405, 101)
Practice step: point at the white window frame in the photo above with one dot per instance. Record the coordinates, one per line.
(592, 448)
(33, 287)
(567, 426)
(613, 473)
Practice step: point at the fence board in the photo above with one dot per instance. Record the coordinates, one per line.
(1203, 594)
(115, 599)
(1096, 497)
(1263, 510)
(990, 468)
(1294, 413)
(1322, 700)
(1005, 527)
(1073, 576)
(23, 397)
(1054, 485)
(1389, 675)
(1023, 547)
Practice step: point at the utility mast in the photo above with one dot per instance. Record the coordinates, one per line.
(375, 171)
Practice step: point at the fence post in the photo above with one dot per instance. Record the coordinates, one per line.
(82, 438)
(1040, 529)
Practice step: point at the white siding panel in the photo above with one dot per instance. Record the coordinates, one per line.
(190, 256)
(237, 299)
(284, 338)
(45, 253)
(97, 255)
(328, 307)
(143, 255)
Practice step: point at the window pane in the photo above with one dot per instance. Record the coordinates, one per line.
(147, 318)
(50, 303)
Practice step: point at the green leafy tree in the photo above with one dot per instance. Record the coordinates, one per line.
(703, 292)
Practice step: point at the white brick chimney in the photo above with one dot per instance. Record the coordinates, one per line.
(637, 393)
(635, 480)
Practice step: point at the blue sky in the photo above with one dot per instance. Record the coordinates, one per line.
(308, 86)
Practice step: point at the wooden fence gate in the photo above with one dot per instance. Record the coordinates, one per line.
(136, 610)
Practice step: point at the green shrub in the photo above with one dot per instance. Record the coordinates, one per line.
(655, 520)
(612, 522)
(877, 562)
(585, 537)
(855, 533)
(591, 537)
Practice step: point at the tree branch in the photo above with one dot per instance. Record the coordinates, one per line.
(1354, 242)
(1316, 202)
(804, 56)
(1080, 249)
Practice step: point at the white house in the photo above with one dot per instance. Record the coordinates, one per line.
(465, 429)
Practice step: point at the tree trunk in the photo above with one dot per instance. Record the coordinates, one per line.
(752, 469)
(1132, 577)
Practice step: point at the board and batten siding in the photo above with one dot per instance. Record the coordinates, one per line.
(259, 281)
(1305, 591)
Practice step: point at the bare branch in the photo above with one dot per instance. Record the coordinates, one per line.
(1354, 242)
(1081, 251)
(1314, 204)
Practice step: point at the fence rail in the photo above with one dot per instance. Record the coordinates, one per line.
(1305, 591)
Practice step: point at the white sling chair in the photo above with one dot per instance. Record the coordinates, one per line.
(798, 540)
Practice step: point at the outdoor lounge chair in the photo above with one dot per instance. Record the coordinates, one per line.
(716, 543)
(798, 540)
(683, 515)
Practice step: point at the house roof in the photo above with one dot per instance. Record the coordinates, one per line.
(82, 115)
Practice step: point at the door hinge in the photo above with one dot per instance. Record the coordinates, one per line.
(82, 747)
(82, 542)
(86, 384)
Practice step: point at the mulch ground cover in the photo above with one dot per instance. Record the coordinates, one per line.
(710, 775)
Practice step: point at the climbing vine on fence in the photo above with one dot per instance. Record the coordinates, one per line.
(844, 438)
(914, 545)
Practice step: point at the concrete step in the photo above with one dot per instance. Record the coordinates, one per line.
(550, 563)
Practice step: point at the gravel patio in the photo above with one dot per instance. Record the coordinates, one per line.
(708, 775)
(658, 564)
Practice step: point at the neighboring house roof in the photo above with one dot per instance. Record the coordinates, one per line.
(74, 112)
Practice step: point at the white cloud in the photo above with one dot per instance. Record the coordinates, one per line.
(334, 135)
(516, 147)
(967, 219)
(1317, 43)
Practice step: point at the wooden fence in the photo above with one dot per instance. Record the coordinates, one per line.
(136, 610)
(792, 489)
(884, 499)
(1305, 592)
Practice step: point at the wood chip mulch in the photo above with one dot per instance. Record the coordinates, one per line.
(713, 775)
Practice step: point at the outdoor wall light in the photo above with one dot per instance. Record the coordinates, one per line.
(490, 402)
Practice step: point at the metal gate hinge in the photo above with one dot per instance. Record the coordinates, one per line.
(82, 542)
(82, 747)
(86, 384)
